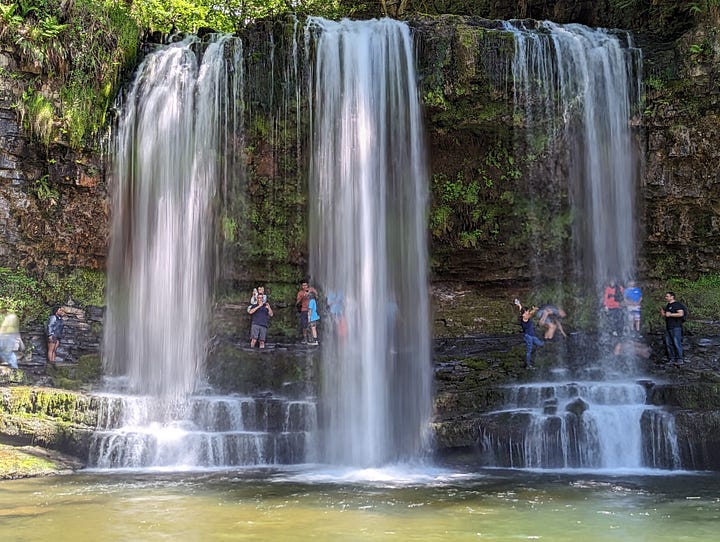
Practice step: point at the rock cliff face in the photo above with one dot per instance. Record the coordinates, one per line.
(53, 206)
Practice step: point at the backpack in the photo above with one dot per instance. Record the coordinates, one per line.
(685, 313)
(618, 295)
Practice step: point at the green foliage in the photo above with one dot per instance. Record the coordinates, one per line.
(230, 229)
(84, 46)
(179, 15)
(36, 114)
(84, 286)
(104, 40)
(435, 98)
(87, 45)
(698, 8)
(702, 296)
(470, 207)
(655, 83)
(224, 15)
(546, 228)
(31, 298)
(20, 294)
(700, 51)
(45, 192)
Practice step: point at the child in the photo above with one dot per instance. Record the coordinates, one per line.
(313, 318)
(258, 292)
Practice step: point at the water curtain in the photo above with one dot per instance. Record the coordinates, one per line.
(576, 89)
(170, 146)
(368, 247)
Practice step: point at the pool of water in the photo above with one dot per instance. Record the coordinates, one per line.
(393, 504)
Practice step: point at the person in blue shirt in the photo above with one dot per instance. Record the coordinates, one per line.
(633, 302)
(313, 318)
(528, 329)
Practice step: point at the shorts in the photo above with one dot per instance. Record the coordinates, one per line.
(303, 320)
(258, 332)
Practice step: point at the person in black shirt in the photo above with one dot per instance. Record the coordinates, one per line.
(261, 314)
(674, 314)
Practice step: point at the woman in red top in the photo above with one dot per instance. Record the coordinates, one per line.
(612, 303)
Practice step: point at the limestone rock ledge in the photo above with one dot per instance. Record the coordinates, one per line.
(53, 419)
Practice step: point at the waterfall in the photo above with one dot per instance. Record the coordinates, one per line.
(368, 247)
(576, 89)
(164, 184)
(174, 159)
(589, 425)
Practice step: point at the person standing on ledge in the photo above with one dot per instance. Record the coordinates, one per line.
(302, 302)
(633, 301)
(10, 340)
(261, 314)
(54, 330)
(612, 303)
(675, 313)
(313, 319)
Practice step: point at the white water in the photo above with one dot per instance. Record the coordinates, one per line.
(173, 155)
(575, 90)
(136, 432)
(581, 425)
(368, 191)
(164, 183)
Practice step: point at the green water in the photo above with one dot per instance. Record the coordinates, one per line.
(295, 506)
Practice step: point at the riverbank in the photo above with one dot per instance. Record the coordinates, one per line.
(21, 461)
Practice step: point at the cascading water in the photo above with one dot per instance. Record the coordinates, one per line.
(576, 89)
(176, 153)
(368, 241)
(160, 264)
(598, 425)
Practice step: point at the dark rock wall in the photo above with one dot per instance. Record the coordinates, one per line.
(53, 205)
(682, 184)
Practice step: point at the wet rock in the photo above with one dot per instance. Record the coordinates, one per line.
(577, 406)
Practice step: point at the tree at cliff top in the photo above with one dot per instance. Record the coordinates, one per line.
(222, 15)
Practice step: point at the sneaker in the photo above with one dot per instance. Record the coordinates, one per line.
(313, 343)
(531, 366)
